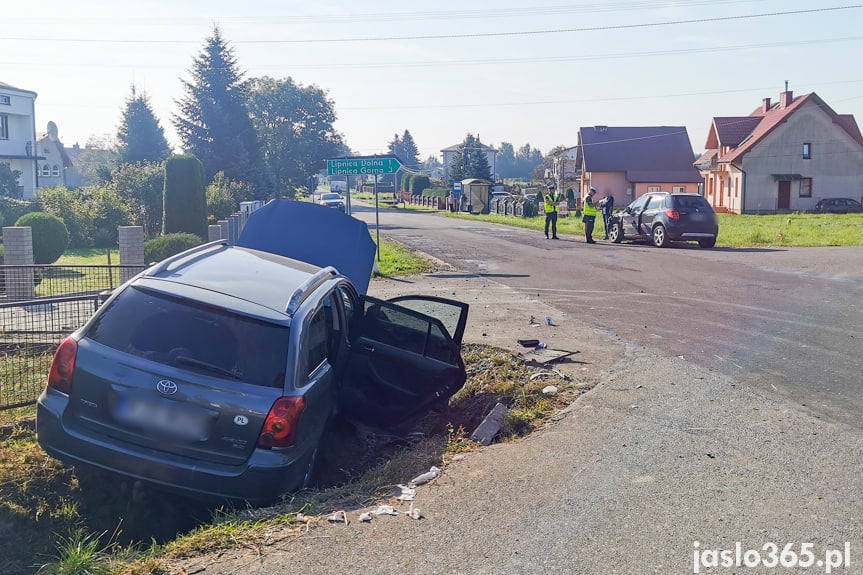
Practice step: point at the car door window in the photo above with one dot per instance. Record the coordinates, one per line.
(655, 203)
(638, 204)
(452, 314)
(316, 348)
(395, 327)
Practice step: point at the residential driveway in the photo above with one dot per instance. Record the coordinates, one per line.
(726, 410)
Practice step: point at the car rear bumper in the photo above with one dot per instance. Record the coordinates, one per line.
(696, 235)
(262, 478)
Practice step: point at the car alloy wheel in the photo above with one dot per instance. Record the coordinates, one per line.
(660, 237)
(615, 234)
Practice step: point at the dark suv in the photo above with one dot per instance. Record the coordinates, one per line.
(662, 217)
(215, 372)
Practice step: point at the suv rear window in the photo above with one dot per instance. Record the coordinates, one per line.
(691, 202)
(193, 336)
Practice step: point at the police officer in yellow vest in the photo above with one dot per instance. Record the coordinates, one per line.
(551, 200)
(589, 217)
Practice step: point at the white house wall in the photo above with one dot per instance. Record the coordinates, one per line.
(21, 142)
(836, 165)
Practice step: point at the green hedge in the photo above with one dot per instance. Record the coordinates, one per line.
(157, 249)
(50, 236)
(185, 200)
(418, 183)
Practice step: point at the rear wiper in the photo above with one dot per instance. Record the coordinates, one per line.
(186, 360)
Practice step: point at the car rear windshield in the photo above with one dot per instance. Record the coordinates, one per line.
(193, 336)
(690, 202)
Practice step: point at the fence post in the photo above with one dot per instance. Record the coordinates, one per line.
(18, 250)
(214, 232)
(224, 225)
(131, 250)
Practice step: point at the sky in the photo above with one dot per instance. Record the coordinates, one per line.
(506, 70)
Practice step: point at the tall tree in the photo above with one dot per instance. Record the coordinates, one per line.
(295, 128)
(506, 166)
(396, 147)
(410, 152)
(140, 136)
(213, 122)
(469, 161)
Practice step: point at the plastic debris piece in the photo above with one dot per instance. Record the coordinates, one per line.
(385, 510)
(366, 517)
(408, 493)
(338, 516)
(550, 389)
(414, 512)
(303, 518)
(528, 342)
(548, 321)
(541, 345)
(425, 477)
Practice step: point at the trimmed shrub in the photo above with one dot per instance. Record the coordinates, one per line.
(184, 197)
(406, 182)
(419, 183)
(50, 236)
(157, 249)
(436, 192)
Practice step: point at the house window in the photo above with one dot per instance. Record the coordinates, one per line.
(55, 171)
(678, 189)
(46, 170)
(5, 100)
(653, 189)
(806, 188)
(4, 127)
(807, 151)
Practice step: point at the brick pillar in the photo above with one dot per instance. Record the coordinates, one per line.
(131, 249)
(18, 250)
(214, 233)
(233, 228)
(224, 225)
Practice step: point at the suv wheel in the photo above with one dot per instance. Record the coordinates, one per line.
(615, 234)
(707, 243)
(660, 237)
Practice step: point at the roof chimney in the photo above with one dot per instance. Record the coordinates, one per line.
(785, 98)
(765, 105)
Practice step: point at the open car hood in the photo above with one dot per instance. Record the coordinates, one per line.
(313, 234)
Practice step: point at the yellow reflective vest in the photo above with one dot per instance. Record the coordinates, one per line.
(551, 201)
(589, 207)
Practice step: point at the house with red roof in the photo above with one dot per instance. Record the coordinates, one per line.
(628, 162)
(782, 157)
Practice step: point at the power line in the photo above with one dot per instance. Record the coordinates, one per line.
(456, 36)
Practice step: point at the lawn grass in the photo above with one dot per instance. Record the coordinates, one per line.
(747, 230)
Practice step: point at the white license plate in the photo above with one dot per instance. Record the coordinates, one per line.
(161, 417)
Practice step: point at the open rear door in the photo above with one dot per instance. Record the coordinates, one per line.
(403, 362)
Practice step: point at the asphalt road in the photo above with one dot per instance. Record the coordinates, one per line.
(784, 320)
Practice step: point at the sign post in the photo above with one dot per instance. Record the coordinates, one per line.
(362, 166)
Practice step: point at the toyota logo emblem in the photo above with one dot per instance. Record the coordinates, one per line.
(167, 387)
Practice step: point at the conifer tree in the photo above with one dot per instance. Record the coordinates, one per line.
(213, 122)
(140, 136)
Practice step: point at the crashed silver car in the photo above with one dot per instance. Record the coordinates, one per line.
(215, 372)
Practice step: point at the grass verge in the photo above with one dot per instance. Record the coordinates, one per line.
(46, 518)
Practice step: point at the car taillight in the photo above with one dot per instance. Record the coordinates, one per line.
(673, 214)
(63, 366)
(280, 428)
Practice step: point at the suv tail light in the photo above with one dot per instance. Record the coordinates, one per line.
(673, 214)
(280, 428)
(63, 366)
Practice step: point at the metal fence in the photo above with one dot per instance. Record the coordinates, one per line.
(59, 301)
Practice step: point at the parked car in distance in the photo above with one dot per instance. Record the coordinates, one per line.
(216, 372)
(332, 200)
(662, 217)
(501, 196)
(531, 197)
(838, 206)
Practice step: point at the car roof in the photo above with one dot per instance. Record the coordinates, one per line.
(216, 270)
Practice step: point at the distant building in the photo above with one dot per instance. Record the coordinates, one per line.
(55, 161)
(18, 135)
(782, 157)
(628, 162)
